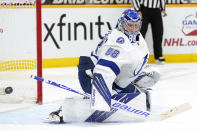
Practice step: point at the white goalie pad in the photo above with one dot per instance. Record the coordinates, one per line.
(76, 109)
(124, 107)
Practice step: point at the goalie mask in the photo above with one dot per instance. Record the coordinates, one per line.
(130, 23)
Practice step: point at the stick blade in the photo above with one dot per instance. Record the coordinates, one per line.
(175, 111)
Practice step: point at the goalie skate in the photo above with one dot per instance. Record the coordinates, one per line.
(55, 116)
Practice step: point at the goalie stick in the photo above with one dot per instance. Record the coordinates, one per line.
(150, 116)
(59, 85)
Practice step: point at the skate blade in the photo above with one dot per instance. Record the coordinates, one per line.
(52, 120)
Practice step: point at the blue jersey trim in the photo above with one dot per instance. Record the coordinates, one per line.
(94, 55)
(113, 66)
(144, 62)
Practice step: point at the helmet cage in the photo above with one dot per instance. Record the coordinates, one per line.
(129, 17)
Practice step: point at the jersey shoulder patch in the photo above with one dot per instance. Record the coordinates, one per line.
(120, 40)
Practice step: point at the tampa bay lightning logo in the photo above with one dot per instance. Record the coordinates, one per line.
(120, 40)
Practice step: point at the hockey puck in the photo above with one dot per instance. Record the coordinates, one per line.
(8, 90)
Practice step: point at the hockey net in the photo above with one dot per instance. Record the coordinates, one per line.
(20, 51)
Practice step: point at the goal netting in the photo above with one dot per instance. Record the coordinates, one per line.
(20, 51)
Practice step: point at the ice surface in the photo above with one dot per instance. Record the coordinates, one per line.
(178, 85)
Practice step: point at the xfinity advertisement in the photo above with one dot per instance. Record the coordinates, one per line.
(64, 30)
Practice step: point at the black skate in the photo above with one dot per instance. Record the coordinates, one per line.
(56, 116)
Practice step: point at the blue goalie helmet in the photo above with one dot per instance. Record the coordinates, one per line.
(130, 23)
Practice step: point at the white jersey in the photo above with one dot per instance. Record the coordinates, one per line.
(130, 58)
(117, 60)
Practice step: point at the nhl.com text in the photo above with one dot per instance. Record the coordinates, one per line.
(179, 42)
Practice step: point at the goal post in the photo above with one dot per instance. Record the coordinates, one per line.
(20, 50)
(39, 49)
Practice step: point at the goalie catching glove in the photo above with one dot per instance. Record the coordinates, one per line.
(147, 78)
